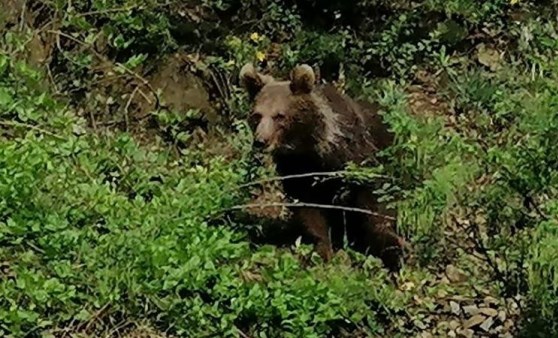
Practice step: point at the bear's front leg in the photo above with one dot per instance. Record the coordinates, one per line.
(376, 233)
(316, 226)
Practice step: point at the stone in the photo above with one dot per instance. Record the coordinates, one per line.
(488, 311)
(487, 324)
(442, 293)
(471, 310)
(182, 90)
(508, 324)
(455, 275)
(474, 321)
(502, 315)
(454, 324)
(488, 57)
(498, 329)
(488, 300)
(455, 308)
(467, 333)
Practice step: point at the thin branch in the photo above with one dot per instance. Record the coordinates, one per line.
(93, 122)
(304, 205)
(123, 9)
(51, 77)
(107, 11)
(242, 334)
(145, 96)
(95, 317)
(126, 112)
(29, 126)
(22, 16)
(531, 202)
(483, 250)
(313, 174)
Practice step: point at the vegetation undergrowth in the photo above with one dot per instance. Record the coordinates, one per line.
(122, 138)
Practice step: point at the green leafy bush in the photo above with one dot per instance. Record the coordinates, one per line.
(93, 225)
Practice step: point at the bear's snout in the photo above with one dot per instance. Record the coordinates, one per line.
(264, 134)
(258, 144)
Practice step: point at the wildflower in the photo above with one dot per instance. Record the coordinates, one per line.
(255, 37)
(260, 56)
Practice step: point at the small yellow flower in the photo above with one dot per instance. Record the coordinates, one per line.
(513, 2)
(255, 37)
(260, 56)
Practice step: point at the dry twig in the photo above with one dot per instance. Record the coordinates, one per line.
(304, 205)
(312, 174)
(29, 126)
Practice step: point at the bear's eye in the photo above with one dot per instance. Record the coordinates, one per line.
(254, 119)
(280, 116)
(255, 116)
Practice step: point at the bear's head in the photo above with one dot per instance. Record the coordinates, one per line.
(286, 115)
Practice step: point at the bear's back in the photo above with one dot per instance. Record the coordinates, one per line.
(362, 128)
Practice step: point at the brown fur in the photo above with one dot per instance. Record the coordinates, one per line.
(309, 128)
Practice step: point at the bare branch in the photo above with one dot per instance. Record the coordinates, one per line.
(313, 174)
(304, 205)
(29, 126)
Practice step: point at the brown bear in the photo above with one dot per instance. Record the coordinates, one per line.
(311, 128)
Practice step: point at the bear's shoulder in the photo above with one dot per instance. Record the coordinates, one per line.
(358, 117)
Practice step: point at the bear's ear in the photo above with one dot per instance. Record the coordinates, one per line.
(253, 81)
(302, 79)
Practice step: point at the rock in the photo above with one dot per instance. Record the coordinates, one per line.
(488, 300)
(442, 326)
(38, 51)
(11, 12)
(473, 321)
(420, 324)
(442, 293)
(454, 324)
(468, 333)
(455, 275)
(488, 57)
(444, 280)
(181, 90)
(487, 324)
(488, 311)
(513, 305)
(471, 310)
(508, 324)
(502, 316)
(459, 298)
(455, 308)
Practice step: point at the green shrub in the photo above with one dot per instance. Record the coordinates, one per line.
(95, 224)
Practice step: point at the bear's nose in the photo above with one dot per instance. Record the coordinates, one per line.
(258, 144)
